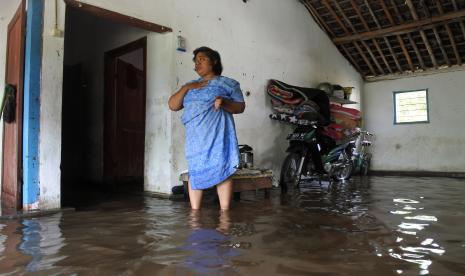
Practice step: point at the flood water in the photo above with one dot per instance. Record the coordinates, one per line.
(370, 226)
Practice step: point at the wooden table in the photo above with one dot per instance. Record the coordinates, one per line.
(244, 180)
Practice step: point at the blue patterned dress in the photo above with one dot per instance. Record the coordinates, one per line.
(211, 145)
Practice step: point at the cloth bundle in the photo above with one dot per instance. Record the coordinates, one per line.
(344, 122)
(348, 118)
(302, 102)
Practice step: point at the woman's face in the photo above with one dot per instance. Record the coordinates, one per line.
(203, 65)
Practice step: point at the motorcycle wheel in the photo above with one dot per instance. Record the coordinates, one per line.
(289, 169)
(345, 172)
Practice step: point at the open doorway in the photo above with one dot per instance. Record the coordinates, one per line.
(124, 123)
(103, 117)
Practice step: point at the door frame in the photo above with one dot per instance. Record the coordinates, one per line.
(21, 11)
(109, 114)
(118, 17)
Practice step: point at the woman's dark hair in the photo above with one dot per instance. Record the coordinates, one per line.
(214, 57)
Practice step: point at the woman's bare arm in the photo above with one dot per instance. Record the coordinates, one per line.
(230, 106)
(176, 100)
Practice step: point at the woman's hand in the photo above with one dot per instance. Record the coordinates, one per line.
(230, 106)
(218, 103)
(176, 100)
(195, 85)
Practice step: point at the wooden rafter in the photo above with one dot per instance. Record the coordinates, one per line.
(405, 28)
(334, 15)
(451, 36)
(441, 46)
(325, 27)
(354, 63)
(318, 18)
(338, 7)
(382, 37)
(462, 27)
(368, 63)
(375, 42)
(399, 39)
(436, 33)
(422, 33)
(409, 36)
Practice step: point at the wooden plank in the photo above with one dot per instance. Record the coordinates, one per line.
(363, 42)
(336, 17)
(422, 33)
(375, 42)
(353, 62)
(415, 48)
(393, 23)
(399, 39)
(441, 46)
(417, 52)
(405, 28)
(372, 56)
(251, 184)
(451, 36)
(462, 26)
(382, 55)
(118, 17)
(318, 18)
(404, 50)
(372, 70)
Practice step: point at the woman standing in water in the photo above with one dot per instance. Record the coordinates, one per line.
(211, 145)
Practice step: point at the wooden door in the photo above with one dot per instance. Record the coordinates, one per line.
(124, 126)
(130, 122)
(12, 132)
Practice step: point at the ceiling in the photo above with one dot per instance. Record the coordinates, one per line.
(394, 37)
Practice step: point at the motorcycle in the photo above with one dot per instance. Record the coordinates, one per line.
(314, 155)
(361, 158)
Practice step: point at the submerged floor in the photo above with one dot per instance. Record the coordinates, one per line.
(382, 225)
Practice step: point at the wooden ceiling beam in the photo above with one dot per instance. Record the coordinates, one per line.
(348, 55)
(381, 70)
(462, 27)
(449, 33)
(391, 20)
(383, 57)
(435, 31)
(409, 36)
(441, 46)
(334, 15)
(399, 39)
(404, 28)
(375, 42)
(368, 63)
(422, 33)
(405, 51)
(417, 51)
(316, 15)
(318, 18)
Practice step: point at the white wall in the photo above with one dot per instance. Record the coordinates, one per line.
(435, 146)
(7, 11)
(258, 40)
(50, 109)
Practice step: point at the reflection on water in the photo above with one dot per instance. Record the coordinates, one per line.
(209, 249)
(382, 225)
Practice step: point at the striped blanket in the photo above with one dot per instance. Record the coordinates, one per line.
(303, 102)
